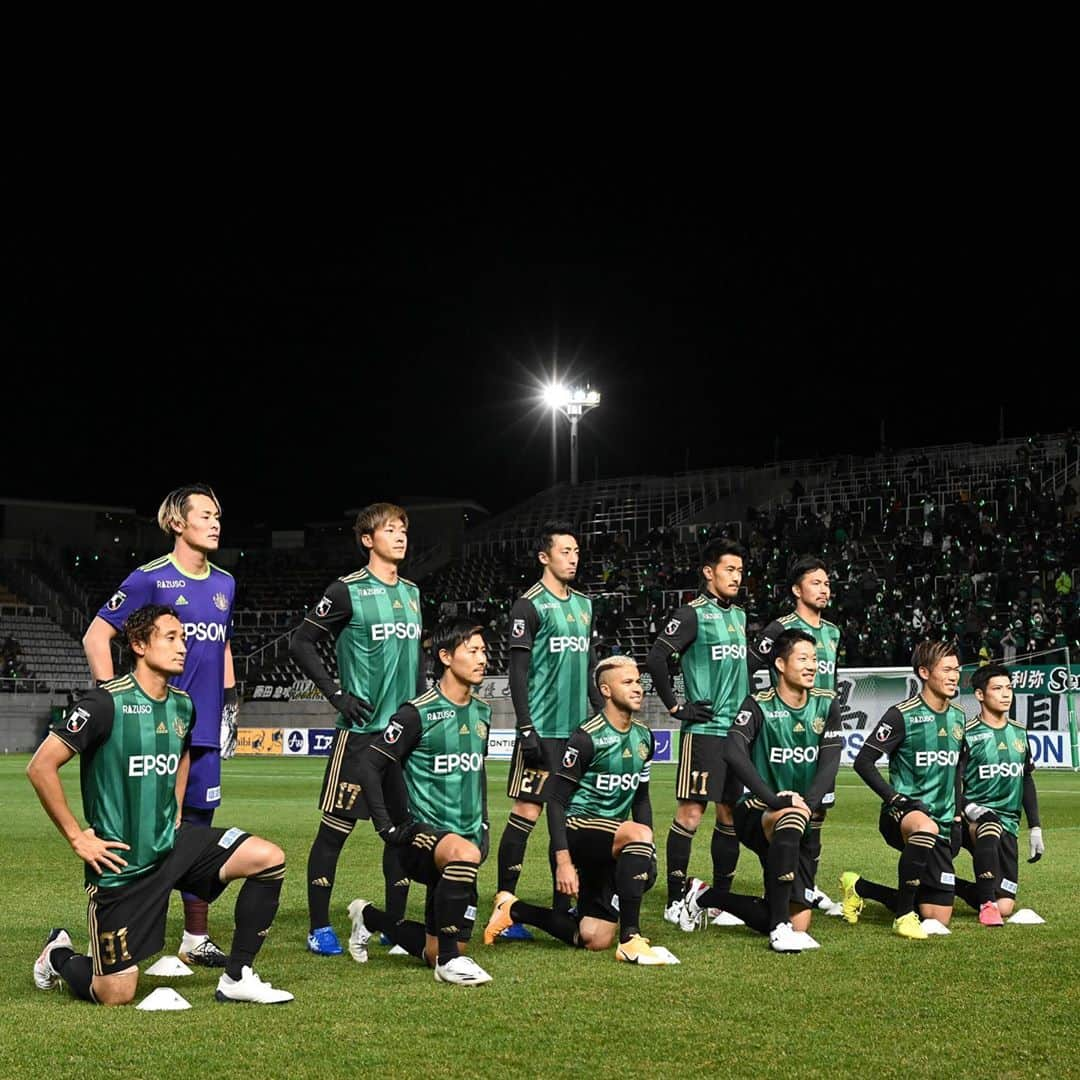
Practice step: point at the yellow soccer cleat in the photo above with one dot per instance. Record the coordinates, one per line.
(500, 917)
(850, 900)
(638, 951)
(909, 926)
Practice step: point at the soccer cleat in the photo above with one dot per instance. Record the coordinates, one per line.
(324, 942)
(516, 932)
(384, 941)
(46, 977)
(250, 988)
(359, 935)
(673, 911)
(500, 920)
(808, 942)
(463, 970)
(989, 914)
(199, 951)
(638, 951)
(908, 926)
(783, 938)
(851, 903)
(691, 908)
(821, 901)
(724, 918)
(934, 928)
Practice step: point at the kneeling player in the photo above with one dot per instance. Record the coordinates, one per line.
(439, 741)
(609, 862)
(922, 738)
(997, 780)
(785, 747)
(133, 735)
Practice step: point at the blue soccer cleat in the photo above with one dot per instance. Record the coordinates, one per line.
(324, 942)
(516, 932)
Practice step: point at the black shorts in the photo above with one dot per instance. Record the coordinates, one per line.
(938, 879)
(418, 860)
(342, 794)
(1008, 863)
(127, 923)
(702, 776)
(590, 851)
(749, 828)
(531, 784)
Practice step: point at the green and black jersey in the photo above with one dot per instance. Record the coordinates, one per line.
(605, 767)
(996, 763)
(923, 747)
(709, 639)
(558, 636)
(441, 749)
(376, 630)
(129, 746)
(826, 638)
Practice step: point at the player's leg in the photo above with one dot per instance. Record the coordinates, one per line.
(1009, 867)
(202, 795)
(635, 873)
(690, 806)
(454, 908)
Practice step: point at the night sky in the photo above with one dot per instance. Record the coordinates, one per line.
(312, 334)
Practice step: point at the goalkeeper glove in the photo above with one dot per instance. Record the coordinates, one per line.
(1035, 844)
(230, 713)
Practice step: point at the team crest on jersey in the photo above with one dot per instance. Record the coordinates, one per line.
(481, 730)
(642, 751)
(77, 720)
(957, 732)
(322, 608)
(671, 627)
(116, 601)
(765, 646)
(393, 732)
(585, 618)
(569, 758)
(743, 718)
(179, 727)
(818, 725)
(883, 732)
(1019, 745)
(412, 605)
(518, 628)
(221, 601)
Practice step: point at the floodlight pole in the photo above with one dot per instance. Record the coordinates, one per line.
(578, 403)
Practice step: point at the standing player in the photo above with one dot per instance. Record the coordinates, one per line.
(551, 658)
(373, 619)
(785, 746)
(204, 594)
(601, 823)
(133, 738)
(922, 738)
(809, 579)
(438, 742)
(709, 637)
(997, 780)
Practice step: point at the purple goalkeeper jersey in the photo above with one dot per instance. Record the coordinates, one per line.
(205, 608)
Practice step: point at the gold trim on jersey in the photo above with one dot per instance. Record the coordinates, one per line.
(911, 703)
(333, 772)
(764, 695)
(686, 753)
(595, 724)
(532, 593)
(119, 684)
(425, 697)
(608, 825)
(821, 691)
(356, 575)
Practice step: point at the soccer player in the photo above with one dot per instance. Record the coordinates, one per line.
(785, 747)
(204, 594)
(997, 769)
(922, 738)
(373, 619)
(810, 586)
(133, 735)
(709, 637)
(438, 742)
(551, 658)
(601, 822)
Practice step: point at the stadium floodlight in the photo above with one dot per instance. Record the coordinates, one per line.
(573, 403)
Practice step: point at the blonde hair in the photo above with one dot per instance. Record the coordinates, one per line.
(371, 517)
(177, 503)
(609, 663)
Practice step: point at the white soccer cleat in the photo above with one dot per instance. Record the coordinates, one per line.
(834, 911)
(462, 970)
(807, 941)
(200, 951)
(821, 900)
(673, 911)
(785, 939)
(359, 935)
(693, 911)
(935, 929)
(725, 918)
(250, 988)
(46, 977)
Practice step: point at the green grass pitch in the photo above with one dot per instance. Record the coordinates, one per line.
(993, 1003)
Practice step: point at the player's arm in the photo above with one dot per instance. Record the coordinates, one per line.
(1031, 810)
(324, 622)
(678, 634)
(136, 590)
(575, 760)
(387, 752)
(828, 764)
(596, 699)
(759, 656)
(641, 807)
(421, 666)
(183, 770)
(884, 739)
(97, 645)
(85, 726)
(230, 707)
(524, 622)
(737, 745)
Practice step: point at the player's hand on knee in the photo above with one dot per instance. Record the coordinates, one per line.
(399, 834)
(973, 811)
(907, 805)
(100, 854)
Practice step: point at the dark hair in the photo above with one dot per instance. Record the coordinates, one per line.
(139, 625)
(928, 654)
(549, 530)
(448, 635)
(377, 514)
(981, 679)
(786, 642)
(175, 505)
(715, 550)
(807, 564)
